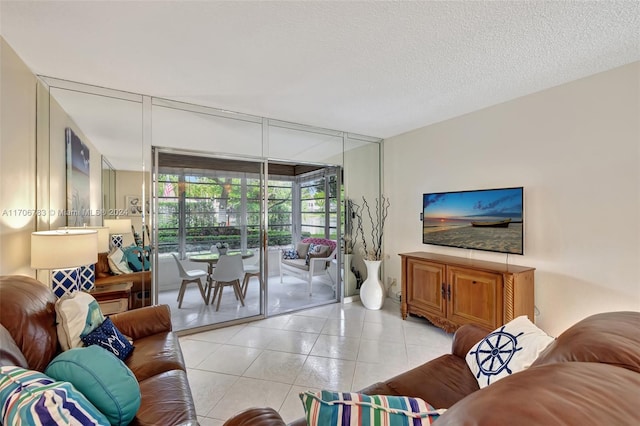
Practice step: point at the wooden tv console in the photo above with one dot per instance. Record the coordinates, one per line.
(451, 291)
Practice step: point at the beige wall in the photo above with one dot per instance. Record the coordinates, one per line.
(18, 187)
(361, 179)
(17, 162)
(576, 150)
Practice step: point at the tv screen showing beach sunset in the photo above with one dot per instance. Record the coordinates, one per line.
(489, 219)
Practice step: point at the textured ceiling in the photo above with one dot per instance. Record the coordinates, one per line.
(374, 68)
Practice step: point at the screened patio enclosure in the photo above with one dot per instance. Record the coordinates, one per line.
(204, 201)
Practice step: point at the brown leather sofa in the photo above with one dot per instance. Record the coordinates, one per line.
(589, 375)
(141, 289)
(27, 312)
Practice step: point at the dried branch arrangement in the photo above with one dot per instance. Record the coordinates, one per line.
(377, 219)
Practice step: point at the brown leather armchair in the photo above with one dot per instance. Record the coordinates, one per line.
(589, 375)
(29, 339)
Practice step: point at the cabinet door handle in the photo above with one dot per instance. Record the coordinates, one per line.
(449, 291)
(442, 290)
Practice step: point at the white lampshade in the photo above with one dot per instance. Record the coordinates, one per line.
(118, 226)
(63, 249)
(103, 235)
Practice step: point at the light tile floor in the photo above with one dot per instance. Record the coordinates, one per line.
(269, 362)
(284, 296)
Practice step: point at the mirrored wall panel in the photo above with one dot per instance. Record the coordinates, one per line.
(200, 129)
(90, 174)
(362, 182)
(257, 186)
(304, 144)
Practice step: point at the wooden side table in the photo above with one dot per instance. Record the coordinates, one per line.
(113, 298)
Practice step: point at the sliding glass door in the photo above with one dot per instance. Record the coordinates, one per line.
(314, 198)
(206, 207)
(204, 204)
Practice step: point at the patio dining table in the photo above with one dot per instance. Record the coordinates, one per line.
(212, 258)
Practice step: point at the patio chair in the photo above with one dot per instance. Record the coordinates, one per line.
(251, 269)
(228, 272)
(311, 258)
(191, 276)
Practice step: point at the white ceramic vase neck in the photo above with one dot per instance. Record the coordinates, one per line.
(372, 291)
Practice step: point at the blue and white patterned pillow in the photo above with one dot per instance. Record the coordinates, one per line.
(32, 398)
(507, 350)
(110, 338)
(290, 254)
(316, 250)
(312, 249)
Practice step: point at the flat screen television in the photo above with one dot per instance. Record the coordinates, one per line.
(487, 219)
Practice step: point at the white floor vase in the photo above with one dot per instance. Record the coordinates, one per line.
(372, 291)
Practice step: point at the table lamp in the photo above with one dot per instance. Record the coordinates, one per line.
(87, 273)
(62, 252)
(117, 227)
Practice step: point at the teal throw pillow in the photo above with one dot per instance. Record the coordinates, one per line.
(138, 258)
(103, 378)
(32, 398)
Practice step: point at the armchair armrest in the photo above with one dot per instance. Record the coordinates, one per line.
(143, 322)
(326, 260)
(256, 417)
(320, 259)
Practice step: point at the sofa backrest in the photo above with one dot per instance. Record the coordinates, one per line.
(27, 311)
(565, 393)
(609, 338)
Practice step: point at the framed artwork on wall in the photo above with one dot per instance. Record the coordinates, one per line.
(134, 205)
(78, 180)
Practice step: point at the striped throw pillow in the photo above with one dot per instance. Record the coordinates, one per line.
(32, 398)
(327, 408)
